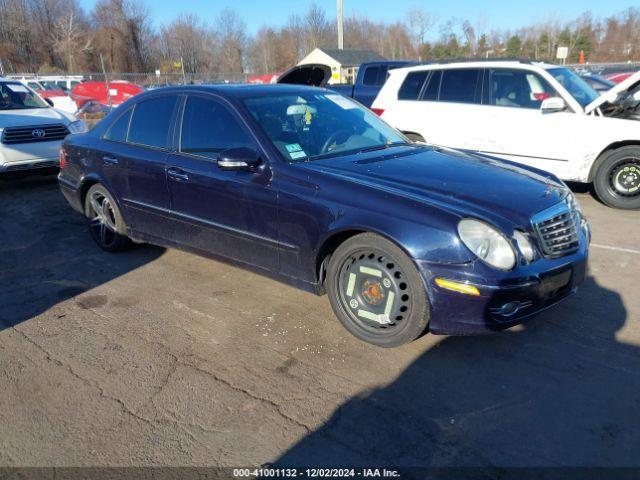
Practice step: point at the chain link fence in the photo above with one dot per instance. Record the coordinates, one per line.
(153, 79)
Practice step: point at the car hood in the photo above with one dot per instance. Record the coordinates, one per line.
(466, 184)
(33, 116)
(631, 84)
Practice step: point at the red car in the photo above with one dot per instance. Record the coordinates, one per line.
(119, 92)
(618, 77)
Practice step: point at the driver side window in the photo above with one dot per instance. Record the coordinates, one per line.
(518, 89)
(209, 128)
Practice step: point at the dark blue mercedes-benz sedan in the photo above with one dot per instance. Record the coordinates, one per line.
(310, 187)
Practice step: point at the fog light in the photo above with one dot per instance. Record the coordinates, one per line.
(509, 309)
(457, 287)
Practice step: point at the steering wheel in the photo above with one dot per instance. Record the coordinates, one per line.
(334, 137)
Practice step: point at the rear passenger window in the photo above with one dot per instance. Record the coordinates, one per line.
(209, 128)
(118, 130)
(371, 76)
(459, 85)
(151, 122)
(431, 92)
(412, 85)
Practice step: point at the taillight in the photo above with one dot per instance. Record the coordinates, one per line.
(378, 111)
(63, 157)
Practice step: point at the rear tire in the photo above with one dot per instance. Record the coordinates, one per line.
(617, 178)
(376, 291)
(105, 220)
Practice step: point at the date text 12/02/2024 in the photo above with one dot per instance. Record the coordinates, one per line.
(315, 473)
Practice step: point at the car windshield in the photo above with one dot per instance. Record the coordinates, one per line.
(50, 85)
(309, 126)
(15, 96)
(576, 86)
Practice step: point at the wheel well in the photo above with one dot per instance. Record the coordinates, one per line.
(84, 188)
(613, 146)
(328, 247)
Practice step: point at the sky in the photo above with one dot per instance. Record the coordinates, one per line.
(487, 14)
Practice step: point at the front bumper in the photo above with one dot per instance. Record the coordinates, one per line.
(31, 164)
(525, 292)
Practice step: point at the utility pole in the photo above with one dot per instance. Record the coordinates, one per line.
(340, 32)
(106, 81)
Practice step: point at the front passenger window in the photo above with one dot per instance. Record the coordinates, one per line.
(518, 89)
(208, 128)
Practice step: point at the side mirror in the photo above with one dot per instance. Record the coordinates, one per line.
(241, 158)
(49, 101)
(553, 104)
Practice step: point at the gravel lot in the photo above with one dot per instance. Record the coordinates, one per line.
(158, 357)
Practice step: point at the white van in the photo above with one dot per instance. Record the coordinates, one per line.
(537, 114)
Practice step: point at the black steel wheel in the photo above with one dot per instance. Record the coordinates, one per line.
(617, 180)
(105, 221)
(376, 291)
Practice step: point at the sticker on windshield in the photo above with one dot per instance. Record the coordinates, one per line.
(297, 155)
(341, 101)
(15, 88)
(293, 147)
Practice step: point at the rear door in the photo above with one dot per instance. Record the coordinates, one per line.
(142, 157)
(442, 105)
(227, 212)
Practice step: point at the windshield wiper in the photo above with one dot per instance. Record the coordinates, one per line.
(384, 146)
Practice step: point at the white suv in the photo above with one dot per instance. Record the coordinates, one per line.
(30, 130)
(537, 114)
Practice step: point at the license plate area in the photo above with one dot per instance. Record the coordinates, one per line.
(554, 283)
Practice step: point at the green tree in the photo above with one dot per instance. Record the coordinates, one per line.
(514, 46)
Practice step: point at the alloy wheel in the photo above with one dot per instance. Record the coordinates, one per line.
(102, 220)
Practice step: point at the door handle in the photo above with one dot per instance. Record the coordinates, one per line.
(109, 161)
(178, 174)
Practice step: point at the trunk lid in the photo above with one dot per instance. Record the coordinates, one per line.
(314, 74)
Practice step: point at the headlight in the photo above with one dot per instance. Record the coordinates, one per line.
(524, 245)
(79, 126)
(487, 243)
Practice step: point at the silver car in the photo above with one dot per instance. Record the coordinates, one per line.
(31, 131)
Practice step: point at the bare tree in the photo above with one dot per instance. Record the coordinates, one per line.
(71, 37)
(231, 42)
(420, 23)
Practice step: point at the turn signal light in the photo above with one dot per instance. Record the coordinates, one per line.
(457, 287)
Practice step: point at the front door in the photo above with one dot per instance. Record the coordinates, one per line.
(515, 128)
(229, 213)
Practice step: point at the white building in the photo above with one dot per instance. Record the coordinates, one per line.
(344, 63)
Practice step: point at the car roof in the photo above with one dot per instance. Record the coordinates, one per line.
(243, 90)
(519, 64)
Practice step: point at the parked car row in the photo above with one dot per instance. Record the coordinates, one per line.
(451, 218)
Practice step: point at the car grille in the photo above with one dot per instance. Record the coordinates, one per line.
(31, 166)
(34, 133)
(557, 229)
